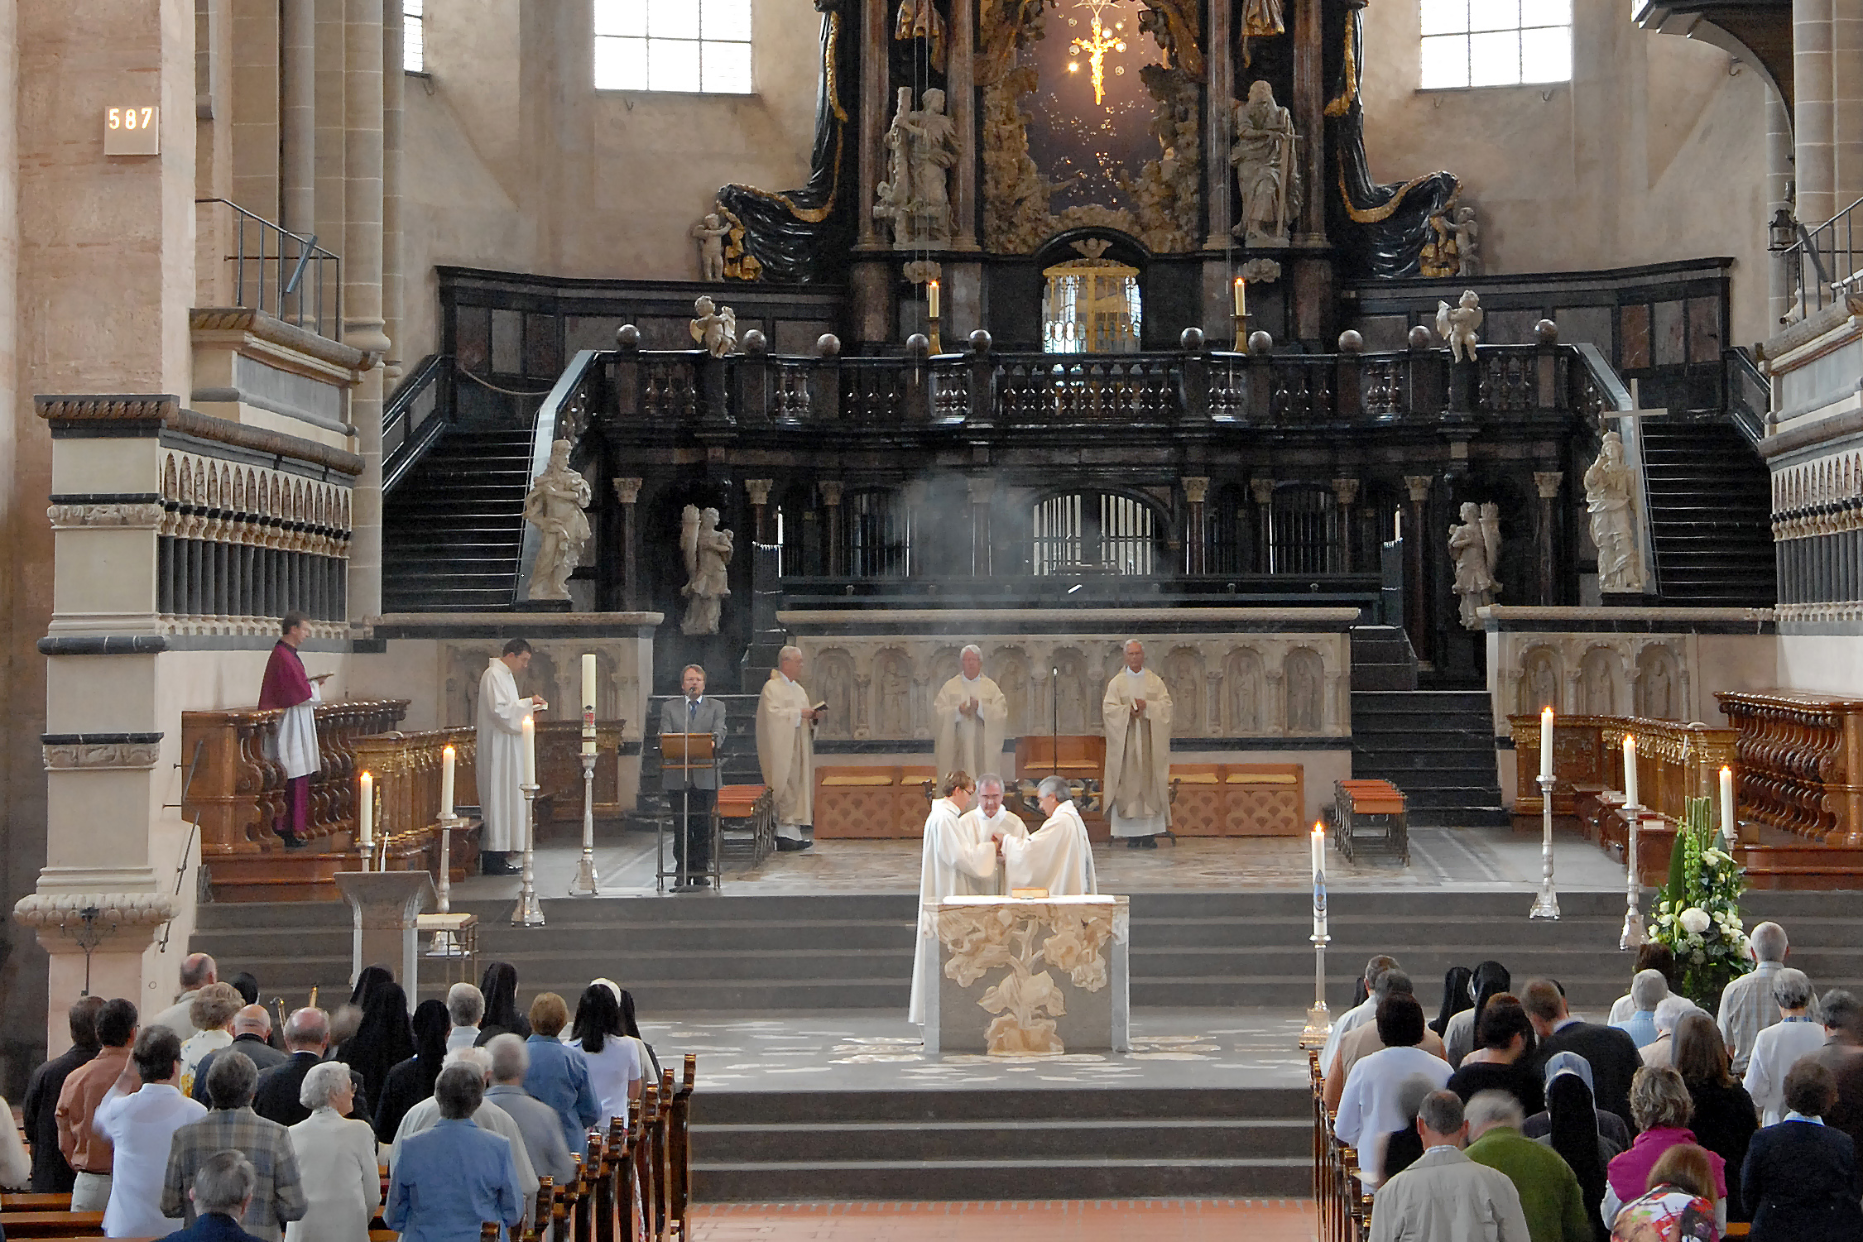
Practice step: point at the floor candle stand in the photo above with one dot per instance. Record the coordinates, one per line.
(587, 882)
(1546, 905)
(529, 912)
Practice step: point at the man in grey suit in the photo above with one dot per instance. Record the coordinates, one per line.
(695, 713)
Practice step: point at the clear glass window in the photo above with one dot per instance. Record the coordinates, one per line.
(694, 46)
(1495, 42)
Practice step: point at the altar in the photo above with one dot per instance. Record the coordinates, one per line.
(1021, 976)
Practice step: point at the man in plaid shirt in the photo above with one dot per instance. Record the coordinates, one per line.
(1747, 1006)
(277, 1194)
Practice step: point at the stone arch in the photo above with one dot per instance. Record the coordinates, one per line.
(1540, 678)
(1304, 683)
(836, 685)
(1600, 678)
(1660, 692)
(1244, 690)
(171, 486)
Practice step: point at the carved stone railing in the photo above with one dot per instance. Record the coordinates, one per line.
(1675, 762)
(238, 792)
(1801, 762)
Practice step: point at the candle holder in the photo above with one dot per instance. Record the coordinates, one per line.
(366, 848)
(932, 334)
(445, 944)
(587, 883)
(1241, 329)
(1546, 905)
(1319, 1026)
(529, 912)
(1633, 936)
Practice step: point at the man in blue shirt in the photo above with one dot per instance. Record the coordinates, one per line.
(220, 1195)
(558, 1075)
(453, 1178)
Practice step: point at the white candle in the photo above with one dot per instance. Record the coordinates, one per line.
(1630, 770)
(1546, 742)
(1728, 827)
(530, 749)
(588, 703)
(447, 758)
(1319, 880)
(365, 812)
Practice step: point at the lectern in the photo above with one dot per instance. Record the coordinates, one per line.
(688, 753)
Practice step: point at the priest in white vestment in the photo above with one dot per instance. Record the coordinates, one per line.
(968, 716)
(499, 766)
(1137, 789)
(1057, 856)
(949, 864)
(786, 722)
(988, 821)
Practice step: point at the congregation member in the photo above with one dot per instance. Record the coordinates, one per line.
(1403, 1146)
(197, 971)
(278, 1095)
(1445, 1196)
(1612, 1131)
(1364, 1041)
(541, 1126)
(336, 1161)
(15, 1162)
(692, 795)
(951, 863)
(465, 1006)
(1723, 1117)
(1747, 1006)
(991, 821)
(1651, 955)
(1777, 1048)
(1360, 1013)
(293, 743)
(1501, 1060)
(1136, 785)
(1455, 997)
(1842, 1054)
(630, 1027)
(252, 1035)
(139, 1115)
(1572, 1131)
(1611, 1053)
(612, 1059)
(1677, 1203)
(1670, 1012)
(412, 1081)
(1369, 1107)
(1801, 1175)
(499, 767)
(1488, 980)
(453, 1176)
(486, 1116)
(51, 1174)
(498, 984)
(1550, 1196)
(383, 1039)
(87, 1151)
(1057, 857)
(968, 718)
(786, 720)
(558, 1075)
(219, 1199)
(278, 1195)
(1648, 989)
(1661, 1110)
(212, 1014)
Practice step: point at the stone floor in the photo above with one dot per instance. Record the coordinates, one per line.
(1440, 858)
(1157, 1220)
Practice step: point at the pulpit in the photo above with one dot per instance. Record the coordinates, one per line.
(1022, 976)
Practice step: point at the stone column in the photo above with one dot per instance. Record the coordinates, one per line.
(1196, 531)
(1263, 492)
(1846, 102)
(1309, 116)
(394, 90)
(759, 490)
(1416, 590)
(1813, 117)
(1218, 116)
(627, 491)
(1548, 483)
(297, 138)
(1345, 495)
(875, 110)
(362, 286)
(831, 501)
(959, 39)
(982, 492)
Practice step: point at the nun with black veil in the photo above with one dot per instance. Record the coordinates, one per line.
(502, 1016)
(383, 1038)
(1574, 1135)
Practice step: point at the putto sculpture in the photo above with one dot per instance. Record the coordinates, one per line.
(1456, 325)
(715, 327)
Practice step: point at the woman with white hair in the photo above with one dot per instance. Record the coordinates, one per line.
(1671, 1011)
(336, 1161)
(1780, 1045)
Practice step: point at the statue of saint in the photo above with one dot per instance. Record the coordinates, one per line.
(554, 506)
(1611, 503)
(1267, 179)
(707, 550)
(922, 147)
(1475, 547)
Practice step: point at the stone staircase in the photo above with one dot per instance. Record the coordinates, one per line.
(453, 530)
(1710, 499)
(1435, 745)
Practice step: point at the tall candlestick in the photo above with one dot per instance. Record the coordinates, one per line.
(1729, 829)
(931, 298)
(530, 749)
(1546, 742)
(447, 759)
(1630, 770)
(365, 812)
(1241, 297)
(588, 703)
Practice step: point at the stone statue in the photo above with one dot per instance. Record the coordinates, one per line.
(707, 550)
(710, 234)
(1303, 693)
(921, 148)
(1261, 19)
(715, 327)
(1267, 177)
(554, 506)
(838, 692)
(1456, 325)
(1467, 242)
(1610, 499)
(919, 19)
(1475, 547)
(895, 700)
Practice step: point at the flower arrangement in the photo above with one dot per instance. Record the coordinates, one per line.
(1698, 912)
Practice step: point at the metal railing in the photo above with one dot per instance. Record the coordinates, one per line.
(409, 424)
(274, 270)
(1825, 264)
(1749, 394)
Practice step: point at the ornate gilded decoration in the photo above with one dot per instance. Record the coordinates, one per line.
(1178, 27)
(1261, 19)
(920, 19)
(1097, 43)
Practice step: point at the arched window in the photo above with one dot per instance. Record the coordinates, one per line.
(1091, 306)
(1300, 530)
(878, 534)
(1101, 531)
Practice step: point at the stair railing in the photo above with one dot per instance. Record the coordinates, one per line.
(1605, 392)
(1749, 394)
(419, 410)
(564, 415)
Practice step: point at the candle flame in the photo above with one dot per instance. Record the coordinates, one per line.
(1726, 771)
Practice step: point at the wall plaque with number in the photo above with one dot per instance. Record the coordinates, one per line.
(133, 130)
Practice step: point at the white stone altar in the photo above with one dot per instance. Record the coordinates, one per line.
(1030, 976)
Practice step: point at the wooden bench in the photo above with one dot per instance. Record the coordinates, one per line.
(64, 1224)
(747, 823)
(883, 800)
(1371, 813)
(24, 1201)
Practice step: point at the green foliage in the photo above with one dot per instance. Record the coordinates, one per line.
(1698, 912)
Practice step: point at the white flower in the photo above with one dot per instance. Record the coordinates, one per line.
(1696, 920)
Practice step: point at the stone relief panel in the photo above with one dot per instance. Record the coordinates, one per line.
(1304, 677)
(1650, 675)
(834, 675)
(1183, 672)
(555, 672)
(1539, 682)
(1244, 693)
(892, 707)
(1010, 669)
(1599, 675)
(1658, 684)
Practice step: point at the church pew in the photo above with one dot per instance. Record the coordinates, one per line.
(679, 1151)
(24, 1201)
(65, 1224)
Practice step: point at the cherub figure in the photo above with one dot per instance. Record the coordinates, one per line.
(1467, 241)
(710, 234)
(715, 327)
(1456, 325)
